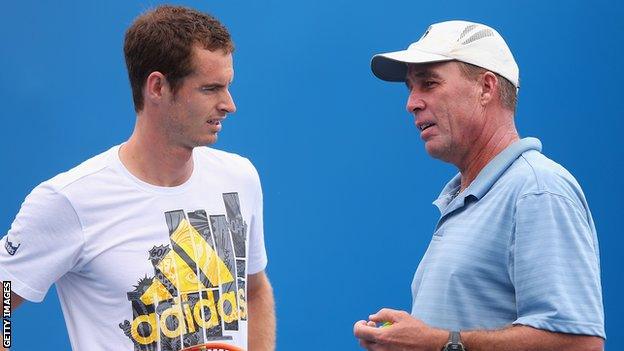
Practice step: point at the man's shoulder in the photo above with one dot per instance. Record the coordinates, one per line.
(539, 174)
(225, 161)
(87, 168)
(55, 194)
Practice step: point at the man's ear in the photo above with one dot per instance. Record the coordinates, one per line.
(489, 88)
(156, 86)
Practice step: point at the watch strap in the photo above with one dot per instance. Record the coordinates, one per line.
(454, 342)
(454, 337)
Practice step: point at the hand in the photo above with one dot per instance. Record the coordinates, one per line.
(405, 334)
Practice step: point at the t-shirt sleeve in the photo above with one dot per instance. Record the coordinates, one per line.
(257, 251)
(42, 245)
(554, 265)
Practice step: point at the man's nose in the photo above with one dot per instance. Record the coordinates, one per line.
(415, 103)
(228, 105)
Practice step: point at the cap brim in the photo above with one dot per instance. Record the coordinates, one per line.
(392, 66)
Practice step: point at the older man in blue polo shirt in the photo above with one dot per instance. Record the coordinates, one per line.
(513, 263)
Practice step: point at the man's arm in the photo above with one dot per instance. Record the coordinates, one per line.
(409, 333)
(261, 313)
(16, 300)
(522, 337)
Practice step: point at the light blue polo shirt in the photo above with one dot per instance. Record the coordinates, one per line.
(518, 246)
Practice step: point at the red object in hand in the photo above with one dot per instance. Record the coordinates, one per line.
(213, 347)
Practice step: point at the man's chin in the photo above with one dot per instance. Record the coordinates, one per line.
(436, 151)
(433, 150)
(208, 141)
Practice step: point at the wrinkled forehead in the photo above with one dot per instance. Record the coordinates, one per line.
(429, 70)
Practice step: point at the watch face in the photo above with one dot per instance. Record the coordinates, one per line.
(454, 347)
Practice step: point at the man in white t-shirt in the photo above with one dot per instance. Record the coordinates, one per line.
(157, 243)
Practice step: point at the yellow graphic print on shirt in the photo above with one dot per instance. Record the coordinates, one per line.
(197, 296)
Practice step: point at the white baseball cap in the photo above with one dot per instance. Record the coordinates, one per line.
(463, 41)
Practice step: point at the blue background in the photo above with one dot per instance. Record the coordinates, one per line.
(347, 184)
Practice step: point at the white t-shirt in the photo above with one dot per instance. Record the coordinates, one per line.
(142, 267)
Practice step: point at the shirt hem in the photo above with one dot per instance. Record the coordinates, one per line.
(21, 289)
(591, 329)
(258, 268)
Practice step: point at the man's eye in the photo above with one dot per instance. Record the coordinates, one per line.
(209, 89)
(429, 83)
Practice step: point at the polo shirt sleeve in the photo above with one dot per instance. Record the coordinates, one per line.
(554, 266)
(42, 245)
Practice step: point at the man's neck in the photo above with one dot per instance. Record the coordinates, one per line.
(484, 152)
(156, 161)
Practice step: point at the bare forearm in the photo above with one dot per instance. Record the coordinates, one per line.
(16, 301)
(523, 338)
(261, 318)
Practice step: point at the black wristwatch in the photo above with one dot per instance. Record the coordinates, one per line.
(454, 343)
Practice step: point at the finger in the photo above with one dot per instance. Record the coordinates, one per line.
(360, 322)
(365, 332)
(371, 346)
(367, 345)
(386, 315)
(371, 324)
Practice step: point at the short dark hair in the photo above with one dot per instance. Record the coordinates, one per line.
(508, 91)
(162, 40)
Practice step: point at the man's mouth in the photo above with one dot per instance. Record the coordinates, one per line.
(425, 126)
(214, 122)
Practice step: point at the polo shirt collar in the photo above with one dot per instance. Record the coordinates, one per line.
(486, 178)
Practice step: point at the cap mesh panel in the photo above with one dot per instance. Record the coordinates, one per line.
(483, 33)
(466, 30)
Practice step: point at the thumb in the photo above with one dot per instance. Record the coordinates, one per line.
(386, 315)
